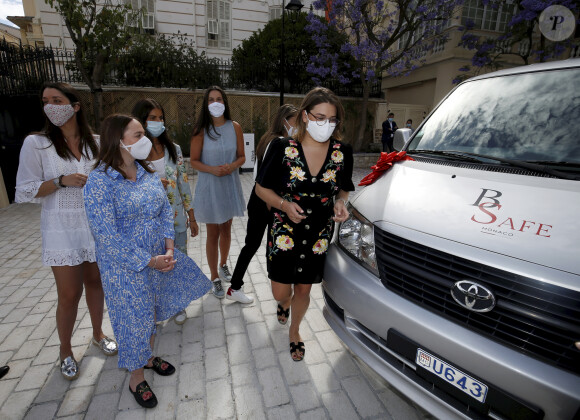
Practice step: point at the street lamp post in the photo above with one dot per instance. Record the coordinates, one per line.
(293, 6)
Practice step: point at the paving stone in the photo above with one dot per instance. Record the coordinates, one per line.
(103, 407)
(16, 338)
(239, 349)
(328, 341)
(191, 382)
(166, 406)
(273, 389)
(90, 368)
(264, 358)
(258, 335)
(248, 403)
(314, 353)
(34, 377)
(282, 413)
(29, 349)
(323, 378)
(318, 414)
(191, 410)
(6, 389)
(316, 321)
(362, 397)
(76, 401)
(215, 337)
(339, 406)
(17, 404)
(54, 388)
(243, 375)
(235, 326)
(42, 411)
(216, 363)
(192, 352)
(219, 399)
(111, 380)
(304, 397)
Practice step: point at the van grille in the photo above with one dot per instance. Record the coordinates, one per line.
(537, 318)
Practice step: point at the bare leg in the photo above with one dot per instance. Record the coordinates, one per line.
(300, 302)
(282, 293)
(137, 376)
(69, 288)
(95, 297)
(211, 249)
(225, 240)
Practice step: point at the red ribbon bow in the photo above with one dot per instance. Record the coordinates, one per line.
(384, 163)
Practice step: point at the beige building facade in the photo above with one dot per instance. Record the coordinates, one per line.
(415, 95)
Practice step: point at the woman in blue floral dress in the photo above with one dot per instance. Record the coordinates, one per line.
(145, 280)
(167, 160)
(305, 181)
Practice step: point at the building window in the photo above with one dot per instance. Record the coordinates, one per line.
(219, 24)
(275, 12)
(147, 10)
(487, 17)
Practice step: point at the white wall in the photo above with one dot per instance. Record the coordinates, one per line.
(186, 16)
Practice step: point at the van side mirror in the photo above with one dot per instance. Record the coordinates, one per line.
(402, 135)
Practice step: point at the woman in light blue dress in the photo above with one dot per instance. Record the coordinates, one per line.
(145, 280)
(217, 152)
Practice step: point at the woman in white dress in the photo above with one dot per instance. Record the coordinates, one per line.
(53, 169)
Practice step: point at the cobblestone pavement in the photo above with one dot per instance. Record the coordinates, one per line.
(232, 360)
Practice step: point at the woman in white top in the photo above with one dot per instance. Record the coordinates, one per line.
(53, 168)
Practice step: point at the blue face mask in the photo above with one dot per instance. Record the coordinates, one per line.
(409, 125)
(156, 128)
(390, 120)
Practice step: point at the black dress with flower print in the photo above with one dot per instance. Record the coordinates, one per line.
(296, 252)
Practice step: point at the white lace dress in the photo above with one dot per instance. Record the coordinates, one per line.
(66, 236)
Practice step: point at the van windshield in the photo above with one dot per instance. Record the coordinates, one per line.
(529, 117)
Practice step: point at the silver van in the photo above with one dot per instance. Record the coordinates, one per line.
(457, 276)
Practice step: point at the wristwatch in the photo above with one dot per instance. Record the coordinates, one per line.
(56, 182)
(60, 182)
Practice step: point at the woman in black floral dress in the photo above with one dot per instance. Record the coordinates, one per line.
(305, 182)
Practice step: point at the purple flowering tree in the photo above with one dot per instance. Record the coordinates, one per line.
(521, 39)
(384, 37)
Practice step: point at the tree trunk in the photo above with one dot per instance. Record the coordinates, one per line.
(363, 116)
(97, 88)
(97, 108)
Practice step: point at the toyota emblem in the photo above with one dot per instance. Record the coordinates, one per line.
(473, 296)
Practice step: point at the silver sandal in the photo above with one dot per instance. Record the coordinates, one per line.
(107, 346)
(69, 368)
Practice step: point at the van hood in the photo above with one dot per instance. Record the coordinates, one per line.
(525, 217)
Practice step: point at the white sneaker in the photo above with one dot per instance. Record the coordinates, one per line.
(217, 289)
(180, 318)
(224, 273)
(238, 296)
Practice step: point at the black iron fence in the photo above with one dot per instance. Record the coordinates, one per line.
(24, 69)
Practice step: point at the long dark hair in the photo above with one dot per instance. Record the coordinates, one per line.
(141, 111)
(54, 133)
(205, 121)
(112, 130)
(277, 129)
(319, 95)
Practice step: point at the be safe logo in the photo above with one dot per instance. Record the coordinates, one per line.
(489, 214)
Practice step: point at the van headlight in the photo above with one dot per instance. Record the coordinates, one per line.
(356, 236)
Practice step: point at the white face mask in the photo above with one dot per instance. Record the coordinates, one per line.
(216, 109)
(320, 133)
(59, 114)
(139, 150)
(292, 130)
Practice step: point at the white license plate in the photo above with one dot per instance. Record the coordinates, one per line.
(452, 375)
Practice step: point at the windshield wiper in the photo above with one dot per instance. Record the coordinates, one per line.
(532, 166)
(539, 167)
(445, 153)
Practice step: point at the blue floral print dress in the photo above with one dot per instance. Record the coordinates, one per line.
(296, 251)
(130, 221)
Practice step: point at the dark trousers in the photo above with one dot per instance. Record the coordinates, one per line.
(258, 217)
(388, 145)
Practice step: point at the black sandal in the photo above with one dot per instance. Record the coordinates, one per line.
(161, 367)
(140, 392)
(283, 313)
(295, 348)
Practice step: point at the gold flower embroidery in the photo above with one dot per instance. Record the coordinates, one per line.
(291, 152)
(329, 175)
(337, 156)
(320, 246)
(284, 242)
(298, 173)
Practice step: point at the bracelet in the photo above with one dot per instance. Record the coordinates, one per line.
(282, 204)
(167, 249)
(154, 262)
(344, 201)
